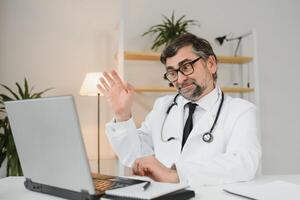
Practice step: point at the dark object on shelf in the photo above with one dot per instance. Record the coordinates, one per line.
(220, 40)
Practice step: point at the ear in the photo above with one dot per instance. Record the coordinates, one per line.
(211, 64)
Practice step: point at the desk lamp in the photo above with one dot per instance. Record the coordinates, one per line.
(220, 40)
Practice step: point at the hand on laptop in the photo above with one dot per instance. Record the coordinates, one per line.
(151, 167)
(119, 95)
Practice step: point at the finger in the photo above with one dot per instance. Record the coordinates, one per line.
(101, 89)
(129, 87)
(138, 168)
(147, 171)
(117, 78)
(135, 168)
(109, 79)
(104, 84)
(141, 169)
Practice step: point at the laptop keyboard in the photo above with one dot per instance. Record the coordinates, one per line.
(107, 182)
(103, 185)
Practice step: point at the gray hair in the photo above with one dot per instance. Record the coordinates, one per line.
(201, 47)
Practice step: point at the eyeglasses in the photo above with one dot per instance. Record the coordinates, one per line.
(186, 69)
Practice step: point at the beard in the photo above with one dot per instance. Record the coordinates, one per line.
(191, 90)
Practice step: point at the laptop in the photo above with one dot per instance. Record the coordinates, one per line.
(52, 154)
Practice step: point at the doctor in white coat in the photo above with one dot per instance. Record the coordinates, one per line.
(212, 141)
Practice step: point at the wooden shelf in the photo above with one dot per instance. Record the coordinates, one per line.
(234, 59)
(172, 89)
(144, 56)
(129, 55)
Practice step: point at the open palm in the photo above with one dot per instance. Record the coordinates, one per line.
(119, 95)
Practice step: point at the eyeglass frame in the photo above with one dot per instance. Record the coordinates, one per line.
(191, 63)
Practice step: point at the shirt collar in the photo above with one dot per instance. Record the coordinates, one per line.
(208, 101)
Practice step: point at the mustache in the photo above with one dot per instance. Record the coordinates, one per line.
(184, 84)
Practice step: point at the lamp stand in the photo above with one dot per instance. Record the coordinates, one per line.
(98, 133)
(237, 46)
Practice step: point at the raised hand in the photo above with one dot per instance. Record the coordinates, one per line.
(119, 95)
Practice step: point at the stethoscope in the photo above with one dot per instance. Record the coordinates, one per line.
(207, 137)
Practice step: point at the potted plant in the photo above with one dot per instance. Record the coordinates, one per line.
(7, 145)
(169, 29)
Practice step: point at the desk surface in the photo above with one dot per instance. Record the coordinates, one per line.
(12, 188)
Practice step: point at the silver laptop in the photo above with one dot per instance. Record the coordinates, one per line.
(51, 150)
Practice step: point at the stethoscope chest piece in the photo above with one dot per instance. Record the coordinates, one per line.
(207, 137)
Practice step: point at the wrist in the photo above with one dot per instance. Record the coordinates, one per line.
(122, 117)
(173, 175)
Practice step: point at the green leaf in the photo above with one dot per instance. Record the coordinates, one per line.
(20, 91)
(181, 18)
(31, 89)
(3, 147)
(14, 94)
(169, 29)
(5, 98)
(2, 157)
(26, 92)
(38, 95)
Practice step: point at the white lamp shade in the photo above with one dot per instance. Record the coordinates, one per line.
(89, 85)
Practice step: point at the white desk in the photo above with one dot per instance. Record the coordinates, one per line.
(12, 188)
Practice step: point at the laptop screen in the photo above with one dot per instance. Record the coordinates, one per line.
(49, 142)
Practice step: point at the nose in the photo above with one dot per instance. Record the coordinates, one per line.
(181, 77)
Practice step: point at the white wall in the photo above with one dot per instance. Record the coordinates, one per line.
(54, 43)
(278, 29)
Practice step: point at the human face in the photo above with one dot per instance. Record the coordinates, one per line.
(197, 84)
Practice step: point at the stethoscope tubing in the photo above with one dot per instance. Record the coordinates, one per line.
(207, 137)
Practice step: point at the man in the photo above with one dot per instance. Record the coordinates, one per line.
(199, 136)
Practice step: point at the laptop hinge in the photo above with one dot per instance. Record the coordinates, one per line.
(32, 186)
(60, 192)
(85, 195)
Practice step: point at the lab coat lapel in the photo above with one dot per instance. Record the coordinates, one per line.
(203, 125)
(173, 125)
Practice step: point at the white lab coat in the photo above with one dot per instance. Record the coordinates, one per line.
(232, 156)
